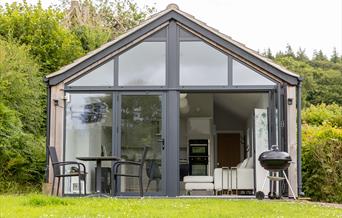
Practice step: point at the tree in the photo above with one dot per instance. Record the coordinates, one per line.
(322, 77)
(334, 57)
(50, 43)
(97, 22)
(21, 115)
(21, 86)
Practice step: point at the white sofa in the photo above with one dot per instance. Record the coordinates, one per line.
(243, 175)
(240, 177)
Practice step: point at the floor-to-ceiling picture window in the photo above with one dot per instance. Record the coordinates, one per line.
(88, 131)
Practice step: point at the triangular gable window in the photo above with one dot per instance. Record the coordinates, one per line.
(145, 63)
(100, 76)
(244, 76)
(200, 63)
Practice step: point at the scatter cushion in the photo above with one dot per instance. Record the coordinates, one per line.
(199, 186)
(198, 179)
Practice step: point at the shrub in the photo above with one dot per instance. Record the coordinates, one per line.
(21, 116)
(319, 114)
(21, 155)
(322, 162)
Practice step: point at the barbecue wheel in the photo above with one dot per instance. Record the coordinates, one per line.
(260, 195)
(272, 195)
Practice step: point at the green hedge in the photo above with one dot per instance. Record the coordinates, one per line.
(322, 153)
(21, 113)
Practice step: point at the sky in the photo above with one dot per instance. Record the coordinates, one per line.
(261, 24)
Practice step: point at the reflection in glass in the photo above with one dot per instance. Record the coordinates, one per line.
(88, 133)
(144, 64)
(141, 124)
(201, 64)
(101, 76)
(243, 75)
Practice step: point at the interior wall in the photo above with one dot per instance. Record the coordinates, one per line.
(225, 120)
(263, 101)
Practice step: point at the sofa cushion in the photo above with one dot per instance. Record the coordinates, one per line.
(243, 164)
(198, 179)
(199, 186)
(250, 163)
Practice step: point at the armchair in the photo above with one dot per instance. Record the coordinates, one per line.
(139, 164)
(57, 173)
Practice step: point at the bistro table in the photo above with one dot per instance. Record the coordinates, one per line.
(98, 160)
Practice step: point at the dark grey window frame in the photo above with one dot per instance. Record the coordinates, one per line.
(172, 74)
(174, 16)
(171, 90)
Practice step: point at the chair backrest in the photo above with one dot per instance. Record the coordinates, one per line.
(152, 170)
(143, 157)
(54, 159)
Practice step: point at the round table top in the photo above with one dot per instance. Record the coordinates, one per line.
(98, 158)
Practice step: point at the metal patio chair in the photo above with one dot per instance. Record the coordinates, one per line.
(153, 173)
(58, 173)
(139, 175)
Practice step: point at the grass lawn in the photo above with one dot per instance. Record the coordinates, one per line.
(43, 206)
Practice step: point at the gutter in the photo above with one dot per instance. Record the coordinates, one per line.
(48, 107)
(299, 137)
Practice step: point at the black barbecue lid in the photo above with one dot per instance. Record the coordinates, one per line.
(274, 154)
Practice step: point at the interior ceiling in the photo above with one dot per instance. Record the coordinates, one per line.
(240, 104)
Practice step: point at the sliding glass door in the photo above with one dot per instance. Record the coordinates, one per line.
(141, 122)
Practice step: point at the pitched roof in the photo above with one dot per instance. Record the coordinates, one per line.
(172, 8)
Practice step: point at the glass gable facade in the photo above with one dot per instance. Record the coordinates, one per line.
(132, 100)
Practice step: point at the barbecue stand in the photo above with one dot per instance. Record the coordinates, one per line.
(274, 161)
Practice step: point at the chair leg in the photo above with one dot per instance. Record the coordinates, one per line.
(115, 179)
(53, 185)
(148, 184)
(79, 186)
(141, 186)
(115, 184)
(59, 179)
(157, 181)
(85, 185)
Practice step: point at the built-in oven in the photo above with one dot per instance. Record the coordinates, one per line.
(198, 157)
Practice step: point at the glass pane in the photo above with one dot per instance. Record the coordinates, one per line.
(101, 76)
(88, 133)
(261, 145)
(144, 64)
(243, 75)
(141, 124)
(201, 64)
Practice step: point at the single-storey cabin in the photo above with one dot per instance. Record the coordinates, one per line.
(198, 98)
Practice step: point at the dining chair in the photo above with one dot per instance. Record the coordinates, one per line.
(138, 164)
(153, 173)
(58, 173)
